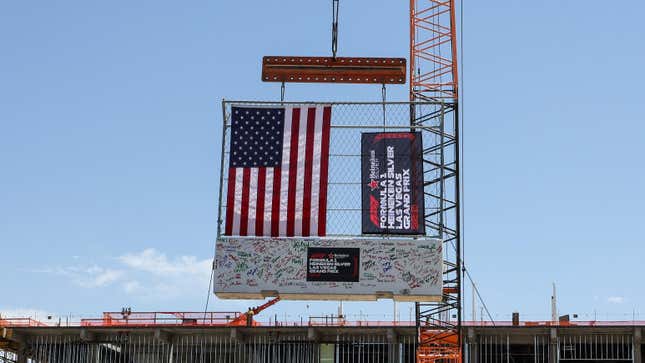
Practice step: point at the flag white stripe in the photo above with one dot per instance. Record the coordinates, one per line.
(237, 207)
(268, 201)
(253, 200)
(284, 177)
(300, 171)
(315, 174)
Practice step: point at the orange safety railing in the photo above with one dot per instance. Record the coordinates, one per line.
(555, 323)
(358, 323)
(215, 319)
(20, 322)
(144, 319)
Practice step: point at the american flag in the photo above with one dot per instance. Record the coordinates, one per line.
(277, 178)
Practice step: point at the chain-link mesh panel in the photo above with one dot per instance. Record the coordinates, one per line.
(348, 122)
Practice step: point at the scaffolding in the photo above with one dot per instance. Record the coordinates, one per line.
(434, 77)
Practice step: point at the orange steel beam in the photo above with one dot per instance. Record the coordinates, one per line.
(333, 70)
(259, 309)
(450, 290)
(242, 318)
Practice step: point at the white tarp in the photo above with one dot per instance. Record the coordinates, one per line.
(302, 268)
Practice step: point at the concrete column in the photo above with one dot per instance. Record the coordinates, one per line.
(94, 353)
(166, 338)
(22, 355)
(393, 344)
(396, 352)
(312, 334)
(87, 336)
(553, 346)
(172, 353)
(637, 341)
(473, 347)
(21, 342)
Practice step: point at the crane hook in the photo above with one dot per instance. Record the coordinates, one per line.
(334, 27)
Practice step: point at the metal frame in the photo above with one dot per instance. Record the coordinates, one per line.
(439, 324)
(436, 142)
(434, 77)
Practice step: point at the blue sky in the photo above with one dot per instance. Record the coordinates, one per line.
(110, 130)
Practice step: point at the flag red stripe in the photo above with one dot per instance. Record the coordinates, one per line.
(275, 203)
(246, 186)
(324, 163)
(309, 158)
(259, 209)
(293, 168)
(230, 202)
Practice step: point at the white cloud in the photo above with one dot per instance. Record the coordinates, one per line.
(616, 299)
(87, 276)
(93, 276)
(102, 278)
(155, 262)
(154, 275)
(149, 273)
(132, 286)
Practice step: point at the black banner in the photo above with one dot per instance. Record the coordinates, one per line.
(333, 264)
(392, 183)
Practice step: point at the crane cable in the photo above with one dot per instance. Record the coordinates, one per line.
(210, 286)
(462, 163)
(479, 296)
(334, 27)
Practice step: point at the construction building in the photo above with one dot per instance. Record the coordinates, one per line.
(437, 333)
(183, 337)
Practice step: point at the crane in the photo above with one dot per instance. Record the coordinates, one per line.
(247, 318)
(434, 77)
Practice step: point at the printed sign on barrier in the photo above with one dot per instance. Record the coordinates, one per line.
(392, 183)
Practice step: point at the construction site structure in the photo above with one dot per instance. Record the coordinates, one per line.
(433, 110)
(435, 335)
(315, 340)
(434, 76)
